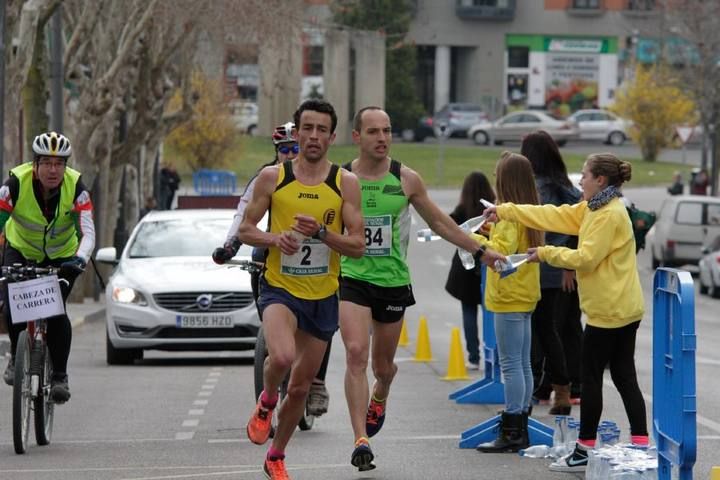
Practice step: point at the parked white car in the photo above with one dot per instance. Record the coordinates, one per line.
(514, 126)
(595, 124)
(167, 294)
(710, 269)
(245, 116)
(685, 223)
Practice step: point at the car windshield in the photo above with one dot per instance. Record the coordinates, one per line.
(181, 238)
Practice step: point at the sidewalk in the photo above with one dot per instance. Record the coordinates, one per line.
(79, 313)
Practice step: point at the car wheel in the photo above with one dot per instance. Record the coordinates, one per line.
(481, 138)
(616, 138)
(561, 143)
(713, 290)
(252, 130)
(703, 287)
(120, 356)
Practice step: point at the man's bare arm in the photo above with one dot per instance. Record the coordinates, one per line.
(351, 244)
(259, 204)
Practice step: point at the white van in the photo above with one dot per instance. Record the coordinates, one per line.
(685, 224)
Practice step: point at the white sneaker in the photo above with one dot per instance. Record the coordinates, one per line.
(318, 399)
(472, 366)
(574, 462)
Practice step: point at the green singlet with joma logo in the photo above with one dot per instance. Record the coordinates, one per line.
(387, 232)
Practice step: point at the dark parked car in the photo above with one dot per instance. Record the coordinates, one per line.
(457, 118)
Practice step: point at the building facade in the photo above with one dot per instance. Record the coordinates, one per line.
(510, 54)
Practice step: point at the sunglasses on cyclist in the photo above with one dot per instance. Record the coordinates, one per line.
(285, 149)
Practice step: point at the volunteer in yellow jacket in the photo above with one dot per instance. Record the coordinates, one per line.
(512, 300)
(609, 288)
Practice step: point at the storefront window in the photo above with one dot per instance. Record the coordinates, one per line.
(518, 57)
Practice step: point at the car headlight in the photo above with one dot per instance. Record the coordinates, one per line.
(128, 295)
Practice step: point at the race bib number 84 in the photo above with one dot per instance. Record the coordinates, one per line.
(378, 236)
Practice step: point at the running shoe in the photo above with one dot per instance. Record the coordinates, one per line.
(275, 469)
(259, 425)
(362, 456)
(318, 399)
(375, 417)
(574, 462)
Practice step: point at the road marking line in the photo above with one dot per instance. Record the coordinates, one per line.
(196, 411)
(215, 374)
(184, 435)
(208, 387)
(205, 393)
(218, 369)
(200, 402)
(211, 380)
(193, 422)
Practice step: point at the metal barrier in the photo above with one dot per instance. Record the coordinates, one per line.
(674, 392)
(490, 390)
(214, 182)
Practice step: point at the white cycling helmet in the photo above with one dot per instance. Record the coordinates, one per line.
(283, 134)
(52, 144)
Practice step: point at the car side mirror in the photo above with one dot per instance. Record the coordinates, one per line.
(107, 255)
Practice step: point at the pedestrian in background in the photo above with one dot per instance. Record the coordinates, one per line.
(557, 286)
(463, 284)
(610, 293)
(169, 183)
(512, 300)
(677, 187)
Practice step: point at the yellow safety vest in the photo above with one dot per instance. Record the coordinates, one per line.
(27, 229)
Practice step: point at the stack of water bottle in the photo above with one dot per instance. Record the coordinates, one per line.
(564, 437)
(609, 460)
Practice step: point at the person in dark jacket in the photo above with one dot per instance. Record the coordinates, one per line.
(169, 183)
(465, 284)
(558, 309)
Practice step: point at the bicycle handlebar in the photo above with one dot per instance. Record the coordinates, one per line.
(19, 272)
(248, 265)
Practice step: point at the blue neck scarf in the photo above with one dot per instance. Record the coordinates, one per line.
(603, 197)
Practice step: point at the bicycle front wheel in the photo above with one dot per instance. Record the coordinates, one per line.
(44, 408)
(22, 394)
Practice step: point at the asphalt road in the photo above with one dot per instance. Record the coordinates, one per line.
(182, 416)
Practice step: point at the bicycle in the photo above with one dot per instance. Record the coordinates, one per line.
(33, 366)
(308, 420)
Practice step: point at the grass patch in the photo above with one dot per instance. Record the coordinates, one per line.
(249, 153)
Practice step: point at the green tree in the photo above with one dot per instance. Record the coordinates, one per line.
(654, 102)
(391, 17)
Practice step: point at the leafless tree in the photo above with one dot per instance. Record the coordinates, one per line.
(696, 56)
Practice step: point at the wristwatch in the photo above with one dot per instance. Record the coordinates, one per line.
(321, 233)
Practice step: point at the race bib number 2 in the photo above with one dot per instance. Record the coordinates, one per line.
(378, 236)
(312, 259)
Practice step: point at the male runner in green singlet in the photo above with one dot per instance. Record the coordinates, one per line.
(375, 289)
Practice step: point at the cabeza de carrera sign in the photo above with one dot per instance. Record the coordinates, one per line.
(35, 299)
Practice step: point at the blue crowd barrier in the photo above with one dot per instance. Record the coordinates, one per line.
(674, 390)
(214, 182)
(490, 390)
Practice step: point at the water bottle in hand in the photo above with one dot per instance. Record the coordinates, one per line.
(427, 235)
(466, 258)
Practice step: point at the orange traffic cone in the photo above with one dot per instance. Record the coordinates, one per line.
(404, 340)
(456, 364)
(423, 352)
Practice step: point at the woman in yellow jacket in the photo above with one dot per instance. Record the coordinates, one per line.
(512, 300)
(609, 289)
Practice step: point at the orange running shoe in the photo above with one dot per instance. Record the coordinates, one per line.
(260, 424)
(275, 469)
(375, 417)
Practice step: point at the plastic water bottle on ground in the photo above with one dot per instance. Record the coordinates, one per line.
(535, 451)
(559, 448)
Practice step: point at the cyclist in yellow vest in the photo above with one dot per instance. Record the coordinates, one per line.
(310, 201)
(46, 214)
